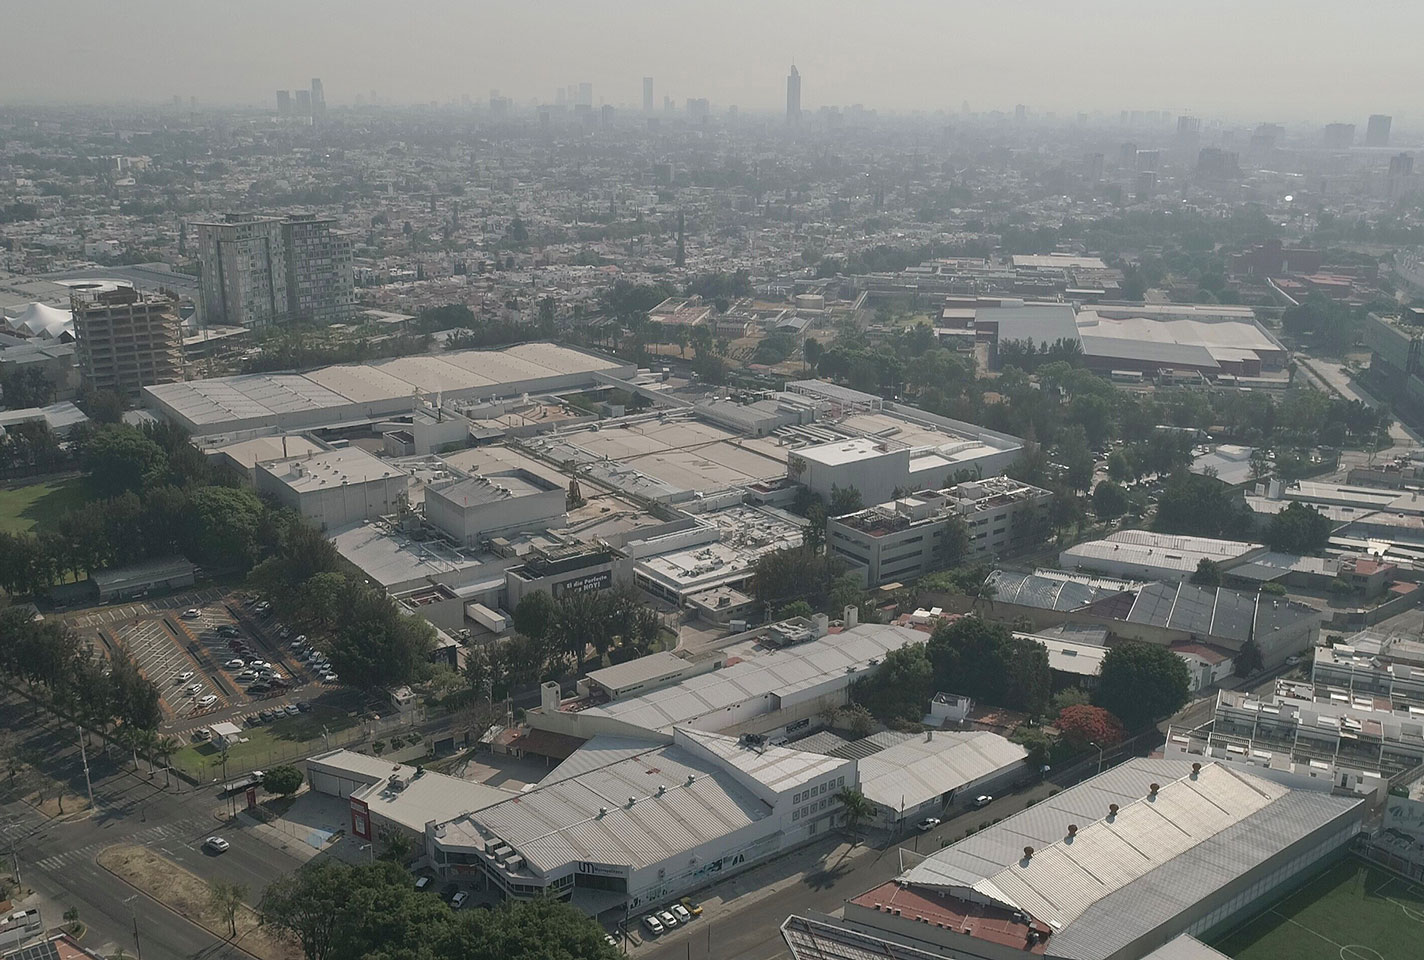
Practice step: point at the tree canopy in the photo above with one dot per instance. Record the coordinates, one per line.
(1299, 528)
(987, 662)
(336, 911)
(1141, 682)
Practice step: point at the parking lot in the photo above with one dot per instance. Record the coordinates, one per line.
(212, 656)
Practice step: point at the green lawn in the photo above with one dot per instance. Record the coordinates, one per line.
(23, 508)
(276, 742)
(1352, 911)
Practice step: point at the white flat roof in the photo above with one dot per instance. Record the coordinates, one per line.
(330, 468)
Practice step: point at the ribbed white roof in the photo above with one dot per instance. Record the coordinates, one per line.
(588, 817)
(774, 673)
(917, 770)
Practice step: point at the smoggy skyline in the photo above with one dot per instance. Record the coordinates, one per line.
(1268, 61)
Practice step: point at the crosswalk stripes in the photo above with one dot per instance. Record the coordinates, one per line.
(175, 830)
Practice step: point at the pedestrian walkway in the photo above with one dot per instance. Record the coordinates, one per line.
(195, 825)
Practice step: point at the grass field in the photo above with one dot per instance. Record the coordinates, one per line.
(22, 508)
(279, 739)
(1352, 911)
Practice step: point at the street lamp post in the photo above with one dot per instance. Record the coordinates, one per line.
(138, 952)
(1100, 755)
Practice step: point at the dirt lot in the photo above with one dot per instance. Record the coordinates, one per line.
(187, 895)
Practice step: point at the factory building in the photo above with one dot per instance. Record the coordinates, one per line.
(1115, 868)
(1144, 555)
(370, 392)
(471, 510)
(334, 488)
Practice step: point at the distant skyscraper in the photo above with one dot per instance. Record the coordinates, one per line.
(318, 97)
(585, 94)
(1377, 132)
(793, 96)
(1401, 165)
(647, 94)
(284, 103)
(1339, 136)
(304, 104)
(1188, 128)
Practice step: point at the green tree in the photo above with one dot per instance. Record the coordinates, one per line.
(283, 780)
(1109, 500)
(856, 807)
(1141, 682)
(26, 387)
(1248, 659)
(224, 526)
(1207, 574)
(536, 615)
(811, 352)
(120, 458)
(843, 501)
(226, 899)
(900, 688)
(1299, 528)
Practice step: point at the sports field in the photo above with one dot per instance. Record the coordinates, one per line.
(1352, 911)
(22, 508)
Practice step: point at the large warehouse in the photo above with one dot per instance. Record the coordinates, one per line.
(351, 393)
(1111, 869)
(1210, 340)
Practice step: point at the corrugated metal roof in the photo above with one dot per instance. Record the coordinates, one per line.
(918, 770)
(776, 768)
(1185, 947)
(560, 823)
(774, 673)
(1116, 881)
(599, 752)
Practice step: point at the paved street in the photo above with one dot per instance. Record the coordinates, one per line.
(56, 858)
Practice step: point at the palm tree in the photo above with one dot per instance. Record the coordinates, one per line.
(164, 748)
(856, 808)
(984, 591)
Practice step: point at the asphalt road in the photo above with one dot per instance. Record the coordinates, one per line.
(57, 859)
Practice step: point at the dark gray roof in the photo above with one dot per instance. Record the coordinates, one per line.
(1215, 611)
(1045, 593)
(1041, 324)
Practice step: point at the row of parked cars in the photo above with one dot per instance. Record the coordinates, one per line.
(660, 921)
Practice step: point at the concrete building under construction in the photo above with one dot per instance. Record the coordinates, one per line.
(127, 340)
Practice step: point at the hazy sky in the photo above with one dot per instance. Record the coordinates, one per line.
(1249, 59)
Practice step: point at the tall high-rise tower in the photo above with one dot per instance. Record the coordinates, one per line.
(647, 94)
(793, 96)
(1377, 131)
(318, 97)
(284, 103)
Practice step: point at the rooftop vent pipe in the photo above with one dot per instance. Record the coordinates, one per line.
(1152, 789)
